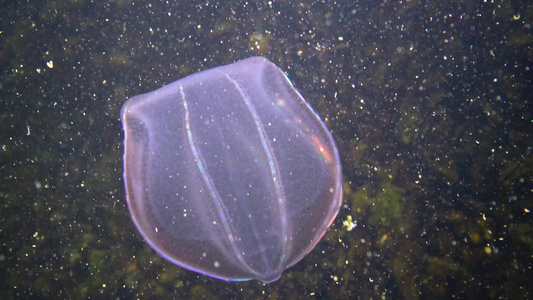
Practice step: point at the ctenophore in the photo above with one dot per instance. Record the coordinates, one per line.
(229, 172)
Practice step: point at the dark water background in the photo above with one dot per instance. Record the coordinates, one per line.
(430, 104)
